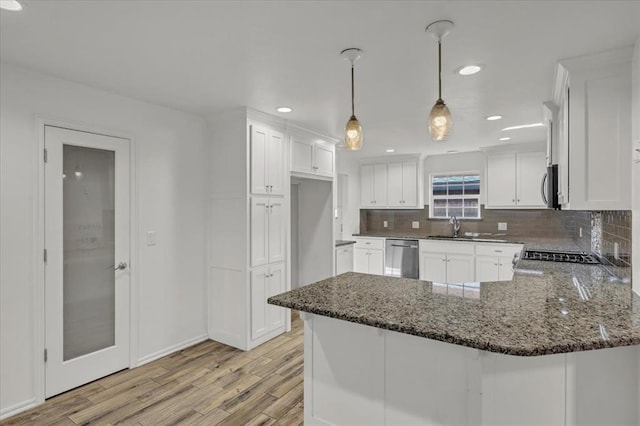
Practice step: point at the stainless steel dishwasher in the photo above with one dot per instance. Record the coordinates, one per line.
(401, 258)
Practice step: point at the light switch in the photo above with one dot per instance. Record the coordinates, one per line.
(415, 224)
(502, 226)
(151, 238)
(385, 224)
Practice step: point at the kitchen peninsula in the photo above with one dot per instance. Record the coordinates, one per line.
(559, 344)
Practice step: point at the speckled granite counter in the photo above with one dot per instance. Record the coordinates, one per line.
(547, 308)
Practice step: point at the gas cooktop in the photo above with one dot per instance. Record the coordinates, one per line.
(561, 256)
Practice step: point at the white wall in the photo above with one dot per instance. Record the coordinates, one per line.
(635, 137)
(461, 162)
(351, 220)
(171, 172)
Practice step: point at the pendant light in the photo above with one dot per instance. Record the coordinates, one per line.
(353, 134)
(440, 116)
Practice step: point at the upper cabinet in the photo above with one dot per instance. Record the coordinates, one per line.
(393, 184)
(514, 180)
(593, 94)
(267, 160)
(312, 155)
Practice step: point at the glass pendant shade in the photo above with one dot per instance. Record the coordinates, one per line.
(439, 121)
(353, 134)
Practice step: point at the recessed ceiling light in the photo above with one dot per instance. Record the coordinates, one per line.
(504, 139)
(494, 117)
(391, 150)
(11, 5)
(524, 126)
(284, 109)
(470, 69)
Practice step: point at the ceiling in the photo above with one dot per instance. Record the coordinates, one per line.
(206, 57)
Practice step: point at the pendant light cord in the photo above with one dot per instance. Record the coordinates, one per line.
(439, 69)
(352, 93)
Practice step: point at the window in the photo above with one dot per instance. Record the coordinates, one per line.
(455, 194)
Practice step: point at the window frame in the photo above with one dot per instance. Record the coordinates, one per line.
(463, 196)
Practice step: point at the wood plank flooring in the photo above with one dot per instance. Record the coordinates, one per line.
(206, 384)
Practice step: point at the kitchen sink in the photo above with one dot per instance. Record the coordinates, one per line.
(452, 238)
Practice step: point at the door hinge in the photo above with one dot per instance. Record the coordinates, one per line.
(46, 355)
(45, 256)
(45, 155)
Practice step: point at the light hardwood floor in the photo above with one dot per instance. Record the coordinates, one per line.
(206, 384)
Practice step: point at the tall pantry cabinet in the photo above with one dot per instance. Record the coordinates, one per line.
(248, 216)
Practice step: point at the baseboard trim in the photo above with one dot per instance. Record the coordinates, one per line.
(17, 408)
(171, 349)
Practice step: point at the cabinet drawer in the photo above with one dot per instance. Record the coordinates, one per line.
(369, 243)
(497, 249)
(345, 249)
(454, 247)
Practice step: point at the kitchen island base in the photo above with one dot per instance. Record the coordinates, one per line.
(362, 375)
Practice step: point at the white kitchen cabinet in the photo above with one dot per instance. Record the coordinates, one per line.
(267, 160)
(402, 184)
(396, 184)
(311, 155)
(267, 231)
(494, 262)
(594, 97)
(448, 262)
(266, 282)
(514, 180)
(344, 259)
(368, 255)
(373, 186)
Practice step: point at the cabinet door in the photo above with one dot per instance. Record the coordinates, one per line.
(376, 262)
(275, 166)
(460, 268)
(259, 149)
(258, 296)
(344, 260)
(433, 267)
(361, 260)
(276, 234)
(487, 268)
(410, 184)
(367, 182)
(501, 180)
(324, 159)
(505, 268)
(531, 167)
(380, 185)
(395, 195)
(259, 231)
(301, 156)
(275, 285)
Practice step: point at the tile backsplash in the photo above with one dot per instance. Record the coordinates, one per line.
(597, 231)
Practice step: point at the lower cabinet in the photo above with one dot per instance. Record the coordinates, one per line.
(495, 262)
(449, 262)
(344, 259)
(266, 282)
(368, 256)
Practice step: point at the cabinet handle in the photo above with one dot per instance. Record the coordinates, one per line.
(513, 201)
(495, 264)
(498, 251)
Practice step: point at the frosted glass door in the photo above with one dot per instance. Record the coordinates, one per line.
(87, 246)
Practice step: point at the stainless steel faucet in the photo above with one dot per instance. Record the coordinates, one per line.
(456, 225)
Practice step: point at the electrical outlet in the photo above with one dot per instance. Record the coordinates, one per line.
(616, 251)
(415, 225)
(502, 226)
(385, 224)
(151, 238)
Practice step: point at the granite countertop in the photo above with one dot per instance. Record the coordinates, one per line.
(344, 242)
(547, 308)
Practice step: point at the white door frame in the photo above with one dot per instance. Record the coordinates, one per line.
(38, 248)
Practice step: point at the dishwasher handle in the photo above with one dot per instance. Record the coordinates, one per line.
(403, 246)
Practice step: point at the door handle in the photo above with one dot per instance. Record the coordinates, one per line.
(121, 266)
(542, 189)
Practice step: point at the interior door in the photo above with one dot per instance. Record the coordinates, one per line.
(87, 252)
